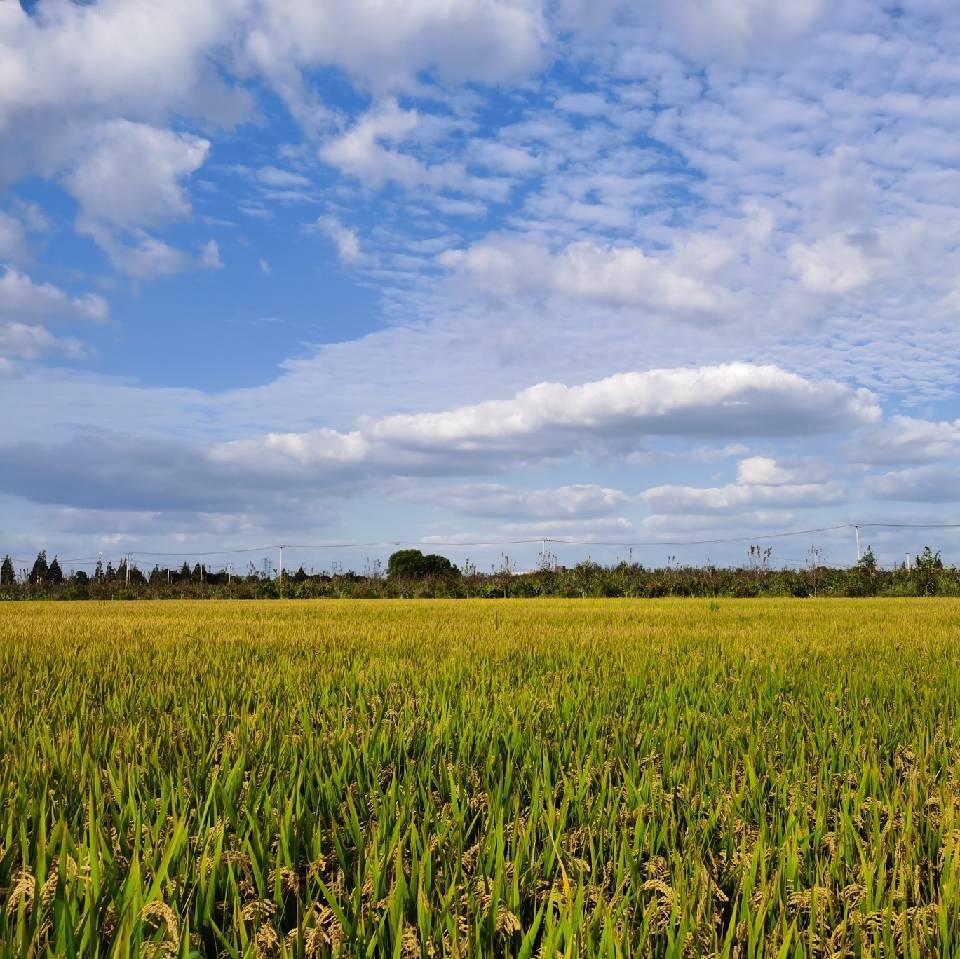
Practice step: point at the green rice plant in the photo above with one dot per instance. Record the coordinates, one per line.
(533, 778)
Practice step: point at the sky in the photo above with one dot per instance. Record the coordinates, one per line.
(479, 271)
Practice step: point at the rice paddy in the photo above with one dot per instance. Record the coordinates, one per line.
(536, 778)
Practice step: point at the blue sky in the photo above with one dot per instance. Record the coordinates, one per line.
(478, 270)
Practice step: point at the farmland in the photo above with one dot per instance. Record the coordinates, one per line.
(438, 778)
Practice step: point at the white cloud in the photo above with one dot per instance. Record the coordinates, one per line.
(923, 484)
(364, 151)
(592, 527)
(384, 46)
(906, 439)
(766, 471)
(618, 275)
(146, 258)
(283, 179)
(737, 497)
(506, 502)
(736, 29)
(586, 104)
(210, 256)
(29, 341)
(130, 174)
(763, 483)
(832, 265)
(13, 239)
(344, 239)
(736, 399)
(26, 310)
(545, 423)
(370, 151)
(22, 299)
(506, 159)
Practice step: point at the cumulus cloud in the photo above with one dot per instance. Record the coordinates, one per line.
(23, 299)
(27, 308)
(736, 399)
(738, 497)
(499, 501)
(762, 483)
(550, 421)
(835, 264)
(459, 40)
(735, 29)
(365, 151)
(144, 257)
(766, 471)
(29, 342)
(372, 152)
(585, 270)
(130, 174)
(933, 483)
(906, 439)
(506, 159)
(13, 238)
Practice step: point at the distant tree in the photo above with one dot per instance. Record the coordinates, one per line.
(109, 573)
(55, 573)
(40, 569)
(81, 578)
(867, 572)
(412, 564)
(98, 570)
(197, 573)
(927, 571)
(184, 571)
(8, 574)
(300, 575)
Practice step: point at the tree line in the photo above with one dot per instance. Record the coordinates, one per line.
(412, 574)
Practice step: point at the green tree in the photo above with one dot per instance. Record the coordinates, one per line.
(40, 569)
(8, 574)
(867, 573)
(55, 573)
(412, 564)
(927, 571)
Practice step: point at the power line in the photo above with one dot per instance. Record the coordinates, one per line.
(210, 552)
(488, 543)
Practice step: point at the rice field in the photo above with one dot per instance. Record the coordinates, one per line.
(535, 778)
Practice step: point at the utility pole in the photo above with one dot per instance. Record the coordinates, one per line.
(128, 570)
(856, 530)
(908, 561)
(281, 570)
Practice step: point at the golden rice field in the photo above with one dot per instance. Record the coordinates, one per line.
(535, 778)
